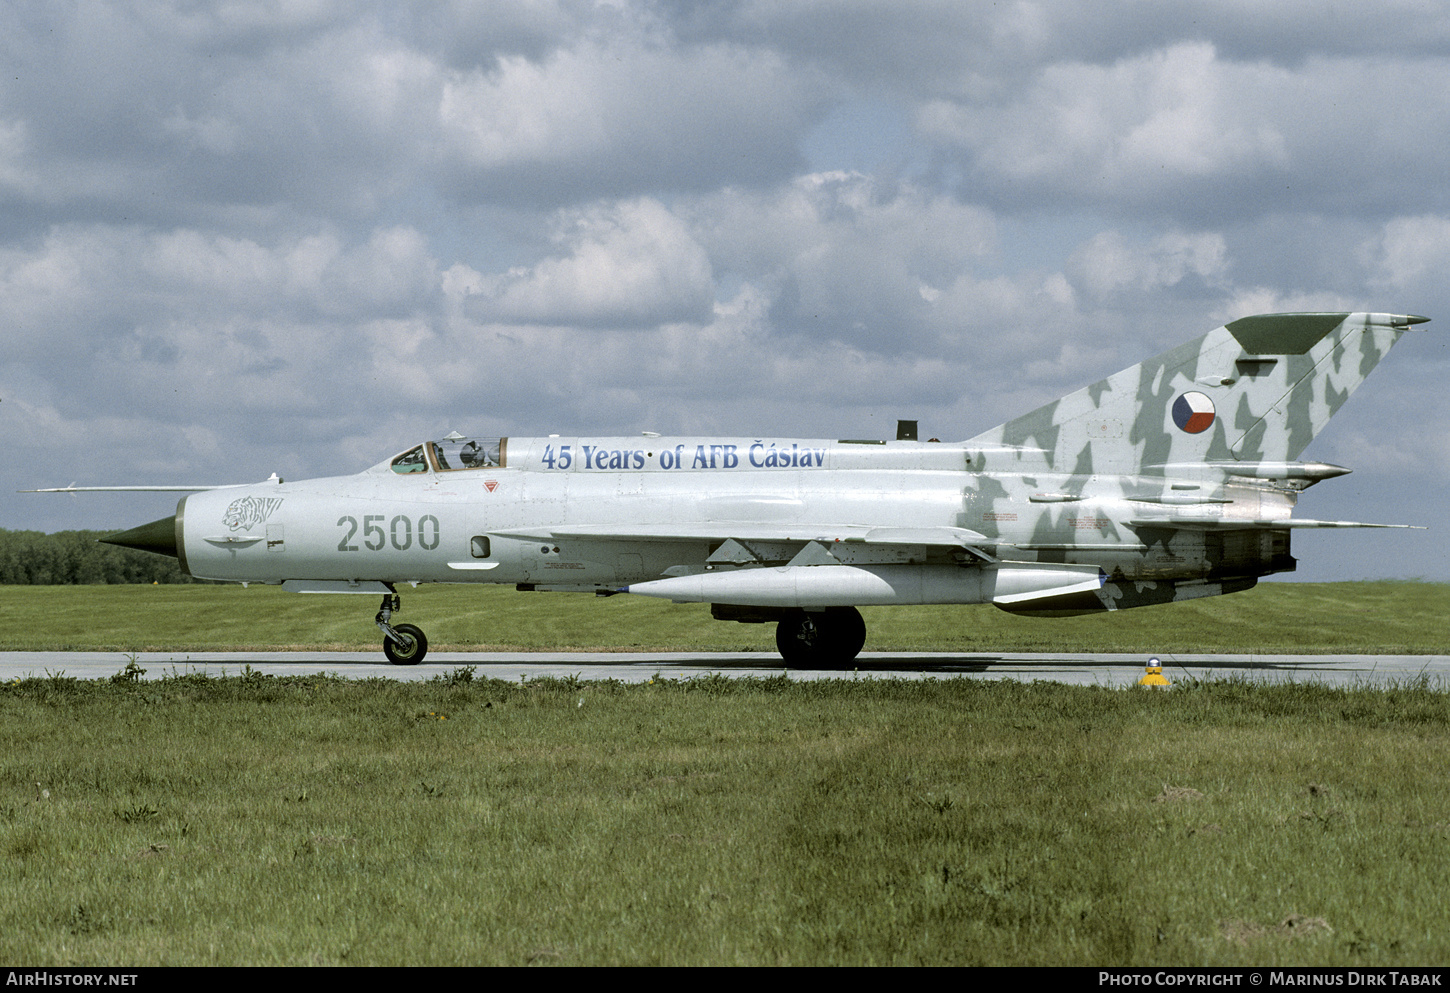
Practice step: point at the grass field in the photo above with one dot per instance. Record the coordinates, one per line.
(1355, 618)
(256, 820)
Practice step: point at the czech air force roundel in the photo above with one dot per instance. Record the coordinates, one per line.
(1193, 413)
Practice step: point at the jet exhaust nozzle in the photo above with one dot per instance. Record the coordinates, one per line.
(158, 536)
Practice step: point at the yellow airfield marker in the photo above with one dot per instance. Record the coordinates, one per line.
(1153, 675)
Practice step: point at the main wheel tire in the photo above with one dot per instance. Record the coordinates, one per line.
(410, 653)
(850, 633)
(795, 639)
(827, 639)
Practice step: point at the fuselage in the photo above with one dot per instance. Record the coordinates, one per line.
(633, 510)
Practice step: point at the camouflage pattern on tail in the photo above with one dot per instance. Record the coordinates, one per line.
(1256, 390)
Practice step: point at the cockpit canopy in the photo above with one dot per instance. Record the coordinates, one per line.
(452, 454)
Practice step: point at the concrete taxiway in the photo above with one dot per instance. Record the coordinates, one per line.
(631, 667)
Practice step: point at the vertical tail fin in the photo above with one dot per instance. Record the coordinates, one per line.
(1257, 389)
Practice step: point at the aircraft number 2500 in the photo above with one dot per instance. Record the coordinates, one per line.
(400, 532)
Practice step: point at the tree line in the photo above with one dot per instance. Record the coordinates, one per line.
(77, 558)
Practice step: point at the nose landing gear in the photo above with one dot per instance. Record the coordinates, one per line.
(403, 644)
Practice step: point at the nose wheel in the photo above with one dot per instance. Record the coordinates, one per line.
(403, 644)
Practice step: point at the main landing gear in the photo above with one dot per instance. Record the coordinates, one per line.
(403, 644)
(824, 639)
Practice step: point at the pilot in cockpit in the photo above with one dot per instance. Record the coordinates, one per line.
(475, 456)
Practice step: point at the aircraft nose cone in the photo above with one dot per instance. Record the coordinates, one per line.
(158, 536)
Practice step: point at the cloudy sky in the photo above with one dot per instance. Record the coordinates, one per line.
(297, 236)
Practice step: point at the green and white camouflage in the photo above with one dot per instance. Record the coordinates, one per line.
(1110, 477)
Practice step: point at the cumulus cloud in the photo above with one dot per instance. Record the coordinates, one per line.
(840, 255)
(1108, 264)
(129, 276)
(626, 263)
(605, 116)
(1139, 125)
(1184, 129)
(1409, 251)
(243, 237)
